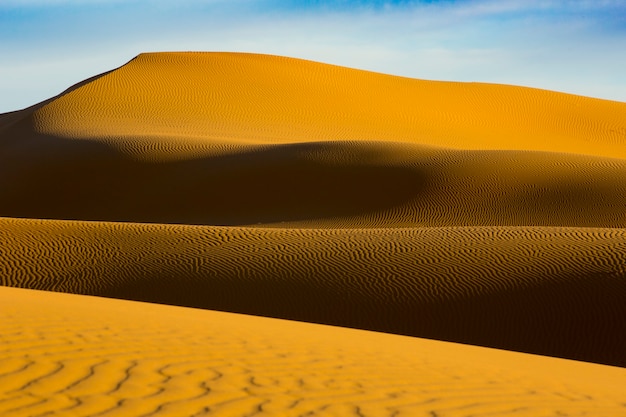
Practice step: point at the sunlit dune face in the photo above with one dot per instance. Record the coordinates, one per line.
(247, 98)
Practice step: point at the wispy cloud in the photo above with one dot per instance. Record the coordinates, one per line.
(567, 45)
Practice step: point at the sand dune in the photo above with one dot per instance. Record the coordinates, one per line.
(483, 214)
(83, 356)
(246, 98)
(553, 291)
(240, 139)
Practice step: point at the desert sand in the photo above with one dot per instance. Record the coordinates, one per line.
(84, 356)
(488, 215)
(551, 291)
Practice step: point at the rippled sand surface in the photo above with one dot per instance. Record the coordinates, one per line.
(83, 356)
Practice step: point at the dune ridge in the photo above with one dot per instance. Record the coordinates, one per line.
(84, 356)
(553, 291)
(246, 98)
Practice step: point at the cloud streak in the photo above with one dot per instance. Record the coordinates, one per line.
(572, 46)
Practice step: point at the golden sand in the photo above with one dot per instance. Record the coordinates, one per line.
(244, 98)
(83, 356)
(484, 214)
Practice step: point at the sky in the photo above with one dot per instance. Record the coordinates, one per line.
(574, 46)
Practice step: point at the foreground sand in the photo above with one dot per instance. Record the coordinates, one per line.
(83, 356)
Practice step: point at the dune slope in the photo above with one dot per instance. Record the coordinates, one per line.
(331, 184)
(242, 139)
(552, 291)
(268, 99)
(83, 356)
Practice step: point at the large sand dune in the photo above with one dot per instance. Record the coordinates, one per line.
(243, 98)
(238, 139)
(331, 184)
(72, 355)
(484, 214)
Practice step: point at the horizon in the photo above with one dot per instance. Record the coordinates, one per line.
(568, 46)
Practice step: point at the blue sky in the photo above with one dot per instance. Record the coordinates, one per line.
(576, 46)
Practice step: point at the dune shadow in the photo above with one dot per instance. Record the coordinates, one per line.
(579, 317)
(43, 176)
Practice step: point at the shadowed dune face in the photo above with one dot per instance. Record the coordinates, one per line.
(74, 355)
(269, 185)
(243, 139)
(552, 291)
(324, 184)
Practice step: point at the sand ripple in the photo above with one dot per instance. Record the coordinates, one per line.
(554, 291)
(81, 356)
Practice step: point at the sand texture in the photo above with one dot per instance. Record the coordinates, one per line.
(481, 214)
(74, 355)
(553, 291)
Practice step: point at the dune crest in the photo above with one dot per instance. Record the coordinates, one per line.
(248, 98)
(552, 291)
